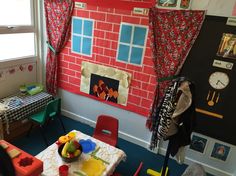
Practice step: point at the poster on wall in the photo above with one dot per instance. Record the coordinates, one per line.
(167, 3)
(234, 10)
(174, 4)
(2, 75)
(198, 144)
(105, 83)
(184, 4)
(227, 47)
(220, 151)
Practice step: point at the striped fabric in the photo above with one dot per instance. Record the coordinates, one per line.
(165, 113)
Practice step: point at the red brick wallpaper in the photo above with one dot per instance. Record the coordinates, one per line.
(106, 33)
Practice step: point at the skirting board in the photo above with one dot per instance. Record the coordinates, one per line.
(208, 168)
(92, 123)
(144, 144)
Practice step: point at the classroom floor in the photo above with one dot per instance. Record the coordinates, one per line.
(135, 154)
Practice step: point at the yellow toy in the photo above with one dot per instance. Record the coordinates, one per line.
(66, 138)
(155, 173)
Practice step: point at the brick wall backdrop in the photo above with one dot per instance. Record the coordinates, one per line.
(106, 33)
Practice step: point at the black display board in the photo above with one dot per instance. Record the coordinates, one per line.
(216, 115)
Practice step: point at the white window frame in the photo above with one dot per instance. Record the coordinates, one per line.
(82, 36)
(33, 28)
(132, 45)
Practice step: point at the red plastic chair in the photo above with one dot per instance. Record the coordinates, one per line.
(106, 129)
(139, 169)
(135, 174)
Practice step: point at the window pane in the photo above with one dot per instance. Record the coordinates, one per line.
(123, 53)
(15, 12)
(88, 28)
(16, 45)
(125, 35)
(87, 43)
(139, 36)
(136, 55)
(76, 44)
(77, 26)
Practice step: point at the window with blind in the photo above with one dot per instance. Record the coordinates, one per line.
(18, 39)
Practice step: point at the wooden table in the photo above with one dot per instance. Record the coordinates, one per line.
(111, 155)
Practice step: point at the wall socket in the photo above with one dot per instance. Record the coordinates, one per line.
(80, 5)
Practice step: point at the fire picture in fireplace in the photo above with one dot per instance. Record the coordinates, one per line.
(106, 83)
(104, 88)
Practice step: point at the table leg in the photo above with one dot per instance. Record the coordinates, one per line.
(1, 130)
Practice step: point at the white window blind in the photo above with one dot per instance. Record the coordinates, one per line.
(17, 29)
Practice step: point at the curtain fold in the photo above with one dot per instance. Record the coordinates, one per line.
(58, 19)
(173, 35)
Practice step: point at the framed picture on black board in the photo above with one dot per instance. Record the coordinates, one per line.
(185, 4)
(227, 46)
(198, 144)
(167, 3)
(220, 151)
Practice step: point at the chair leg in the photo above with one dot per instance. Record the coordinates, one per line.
(44, 137)
(28, 133)
(47, 122)
(62, 124)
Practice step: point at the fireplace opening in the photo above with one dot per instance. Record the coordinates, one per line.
(104, 88)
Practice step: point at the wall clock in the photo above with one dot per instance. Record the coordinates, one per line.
(219, 80)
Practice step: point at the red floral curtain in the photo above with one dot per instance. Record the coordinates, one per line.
(58, 19)
(173, 34)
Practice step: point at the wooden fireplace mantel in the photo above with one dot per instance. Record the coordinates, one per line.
(119, 4)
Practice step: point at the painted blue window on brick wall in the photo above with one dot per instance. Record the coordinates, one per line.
(88, 28)
(76, 44)
(77, 26)
(139, 36)
(86, 48)
(123, 53)
(126, 32)
(136, 55)
(82, 36)
(132, 41)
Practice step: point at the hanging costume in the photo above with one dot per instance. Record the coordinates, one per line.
(176, 116)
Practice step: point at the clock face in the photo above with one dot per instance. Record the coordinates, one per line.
(218, 80)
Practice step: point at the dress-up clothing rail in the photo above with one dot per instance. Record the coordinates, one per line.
(182, 115)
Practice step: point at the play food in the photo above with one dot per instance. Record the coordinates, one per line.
(70, 151)
(66, 138)
(63, 139)
(71, 135)
(71, 148)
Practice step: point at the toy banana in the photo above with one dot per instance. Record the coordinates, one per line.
(64, 150)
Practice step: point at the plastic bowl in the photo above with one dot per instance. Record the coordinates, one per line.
(68, 160)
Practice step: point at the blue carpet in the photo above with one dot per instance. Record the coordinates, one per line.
(135, 154)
